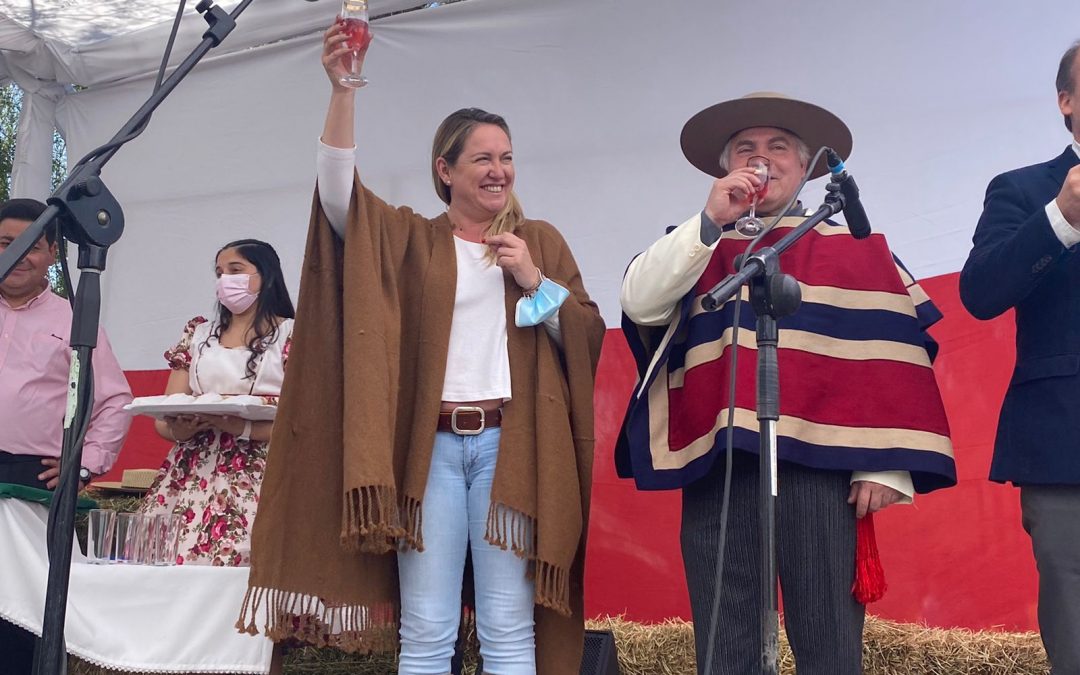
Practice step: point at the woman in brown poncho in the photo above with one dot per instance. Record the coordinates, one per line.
(439, 398)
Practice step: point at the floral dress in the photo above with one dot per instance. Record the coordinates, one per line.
(213, 479)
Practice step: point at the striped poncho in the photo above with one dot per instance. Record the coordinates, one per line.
(857, 391)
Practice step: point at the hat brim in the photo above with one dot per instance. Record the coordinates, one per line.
(117, 486)
(705, 134)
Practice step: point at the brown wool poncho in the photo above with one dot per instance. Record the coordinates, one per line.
(352, 441)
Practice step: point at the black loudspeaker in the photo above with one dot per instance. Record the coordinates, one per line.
(599, 657)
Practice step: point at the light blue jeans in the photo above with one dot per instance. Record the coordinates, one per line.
(455, 513)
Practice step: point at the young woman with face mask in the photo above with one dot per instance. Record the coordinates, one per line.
(213, 474)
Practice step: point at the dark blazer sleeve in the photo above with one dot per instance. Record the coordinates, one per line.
(1014, 248)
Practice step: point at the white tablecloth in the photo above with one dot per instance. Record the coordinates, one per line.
(129, 617)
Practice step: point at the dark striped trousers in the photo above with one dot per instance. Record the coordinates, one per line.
(815, 551)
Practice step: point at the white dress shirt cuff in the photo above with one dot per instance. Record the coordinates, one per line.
(1068, 235)
(897, 480)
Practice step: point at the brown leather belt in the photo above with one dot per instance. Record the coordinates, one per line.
(469, 420)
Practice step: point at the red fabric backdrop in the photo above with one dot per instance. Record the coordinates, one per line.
(959, 557)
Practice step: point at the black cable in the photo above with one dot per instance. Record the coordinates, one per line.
(88, 397)
(730, 434)
(66, 275)
(135, 133)
(169, 45)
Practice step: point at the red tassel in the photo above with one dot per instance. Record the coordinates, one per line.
(869, 583)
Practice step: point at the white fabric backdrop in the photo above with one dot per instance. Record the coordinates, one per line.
(940, 97)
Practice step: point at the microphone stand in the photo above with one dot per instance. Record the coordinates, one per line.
(773, 295)
(90, 216)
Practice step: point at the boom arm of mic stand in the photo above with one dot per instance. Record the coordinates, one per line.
(755, 264)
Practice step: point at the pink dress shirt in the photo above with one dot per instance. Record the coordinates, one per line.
(34, 363)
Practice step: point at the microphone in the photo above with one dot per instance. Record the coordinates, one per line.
(854, 214)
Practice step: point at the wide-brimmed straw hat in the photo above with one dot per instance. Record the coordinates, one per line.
(705, 134)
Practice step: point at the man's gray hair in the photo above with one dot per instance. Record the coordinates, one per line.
(800, 147)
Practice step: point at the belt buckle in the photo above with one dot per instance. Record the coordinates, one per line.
(466, 432)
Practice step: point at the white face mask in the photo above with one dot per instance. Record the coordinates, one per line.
(233, 292)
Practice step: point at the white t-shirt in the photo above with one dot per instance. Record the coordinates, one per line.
(477, 363)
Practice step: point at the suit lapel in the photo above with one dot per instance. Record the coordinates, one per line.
(1057, 168)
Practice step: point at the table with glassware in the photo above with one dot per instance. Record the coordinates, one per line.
(130, 607)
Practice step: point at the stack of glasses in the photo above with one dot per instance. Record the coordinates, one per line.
(132, 538)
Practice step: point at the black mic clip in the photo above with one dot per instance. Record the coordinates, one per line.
(834, 196)
(842, 194)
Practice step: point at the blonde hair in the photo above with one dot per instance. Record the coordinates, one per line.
(449, 142)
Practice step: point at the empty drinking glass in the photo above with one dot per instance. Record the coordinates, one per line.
(131, 538)
(100, 528)
(164, 532)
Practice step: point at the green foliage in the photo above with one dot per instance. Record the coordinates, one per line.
(10, 107)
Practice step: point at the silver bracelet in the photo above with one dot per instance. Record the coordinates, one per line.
(530, 292)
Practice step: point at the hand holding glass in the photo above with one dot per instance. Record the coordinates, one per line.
(750, 225)
(354, 21)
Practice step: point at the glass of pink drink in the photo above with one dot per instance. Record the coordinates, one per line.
(750, 225)
(354, 19)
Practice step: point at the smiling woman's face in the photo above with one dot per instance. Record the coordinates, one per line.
(481, 180)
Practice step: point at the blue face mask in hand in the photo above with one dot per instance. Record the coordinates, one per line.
(543, 304)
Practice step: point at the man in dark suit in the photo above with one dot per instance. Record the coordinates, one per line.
(1024, 257)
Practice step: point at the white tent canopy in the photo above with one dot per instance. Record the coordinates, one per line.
(939, 96)
(48, 45)
(92, 42)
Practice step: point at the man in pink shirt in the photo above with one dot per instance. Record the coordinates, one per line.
(34, 363)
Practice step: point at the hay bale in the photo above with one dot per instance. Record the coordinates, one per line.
(657, 649)
(119, 502)
(889, 648)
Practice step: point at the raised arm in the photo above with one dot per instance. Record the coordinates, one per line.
(1017, 243)
(658, 279)
(337, 145)
(340, 115)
